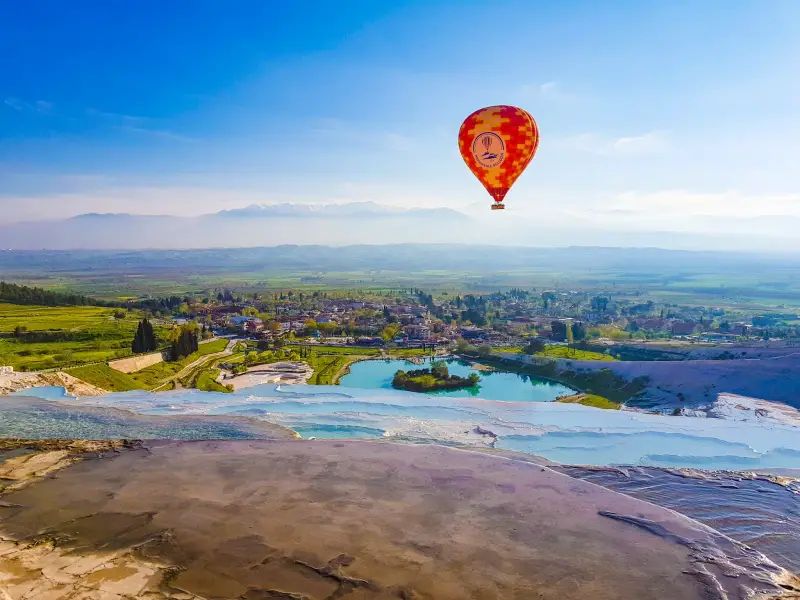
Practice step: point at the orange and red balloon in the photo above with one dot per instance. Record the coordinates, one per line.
(498, 143)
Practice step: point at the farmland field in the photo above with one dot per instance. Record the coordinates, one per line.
(728, 280)
(62, 336)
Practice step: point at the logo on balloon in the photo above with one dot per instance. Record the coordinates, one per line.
(488, 149)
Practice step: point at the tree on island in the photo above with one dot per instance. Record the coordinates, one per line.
(439, 369)
(436, 378)
(145, 338)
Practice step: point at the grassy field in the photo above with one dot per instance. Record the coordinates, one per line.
(717, 279)
(349, 350)
(58, 336)
(559, 352)
(590, 400)
(105, 377)
(157, 374)
(326, 367)
(573, 354)
(328, 361)
(337, 350)
(206, 381)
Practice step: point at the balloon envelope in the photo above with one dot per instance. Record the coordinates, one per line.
(498, 143)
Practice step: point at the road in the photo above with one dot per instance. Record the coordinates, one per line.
(200, 361)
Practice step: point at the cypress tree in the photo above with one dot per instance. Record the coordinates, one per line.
(145, 338)
(137, 346)
(150, 341)
(186, 343)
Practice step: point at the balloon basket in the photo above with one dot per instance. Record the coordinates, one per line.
(498, 206)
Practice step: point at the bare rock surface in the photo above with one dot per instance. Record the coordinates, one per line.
(347, 519)
(15, 382)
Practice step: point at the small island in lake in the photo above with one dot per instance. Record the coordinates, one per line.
(436, 378)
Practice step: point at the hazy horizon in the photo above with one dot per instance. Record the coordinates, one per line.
(364, 223)
(670, 122)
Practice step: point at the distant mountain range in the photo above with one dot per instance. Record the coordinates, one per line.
(373, 223)
(363, 210)
(255, 225)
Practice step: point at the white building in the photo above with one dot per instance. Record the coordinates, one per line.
(6, 370)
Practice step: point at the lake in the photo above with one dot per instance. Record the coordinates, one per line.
(496, 385)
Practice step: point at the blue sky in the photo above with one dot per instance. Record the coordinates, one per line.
(650, 113)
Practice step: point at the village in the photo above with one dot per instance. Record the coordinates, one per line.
(412, 318)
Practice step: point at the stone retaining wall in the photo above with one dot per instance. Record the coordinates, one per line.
(136, 363)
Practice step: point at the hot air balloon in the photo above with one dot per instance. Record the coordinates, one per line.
(498, 143)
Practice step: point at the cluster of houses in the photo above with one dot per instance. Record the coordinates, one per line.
(365, 322)
(416, 326)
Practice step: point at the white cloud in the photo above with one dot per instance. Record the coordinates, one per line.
(684, 203)
(549, 90)
(14, 103)
(157, 133)
(652, 142)
(40, 106)
(641, 144)
(116, 117)
(136, 124)
(343, 130)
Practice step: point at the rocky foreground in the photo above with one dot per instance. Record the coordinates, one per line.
(352, 520)
(15, 382)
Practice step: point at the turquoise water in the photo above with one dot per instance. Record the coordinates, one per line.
(48, 392)
(378, 374)
(756, 511)
(342, 432)
(567, 433)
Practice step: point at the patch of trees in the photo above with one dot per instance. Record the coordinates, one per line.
(21, 333)
(225, 295)
(474, 316)
(425, 299)
(145, 338)
(642, 309)
(764, 320)
(436, 378)
(548, 297)
(22, 294)
(185, 341)
(160, 305)
(535, 346)
(599, 303)
(559, 331)
(25, 295)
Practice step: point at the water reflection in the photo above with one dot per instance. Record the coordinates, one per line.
(495, 384)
